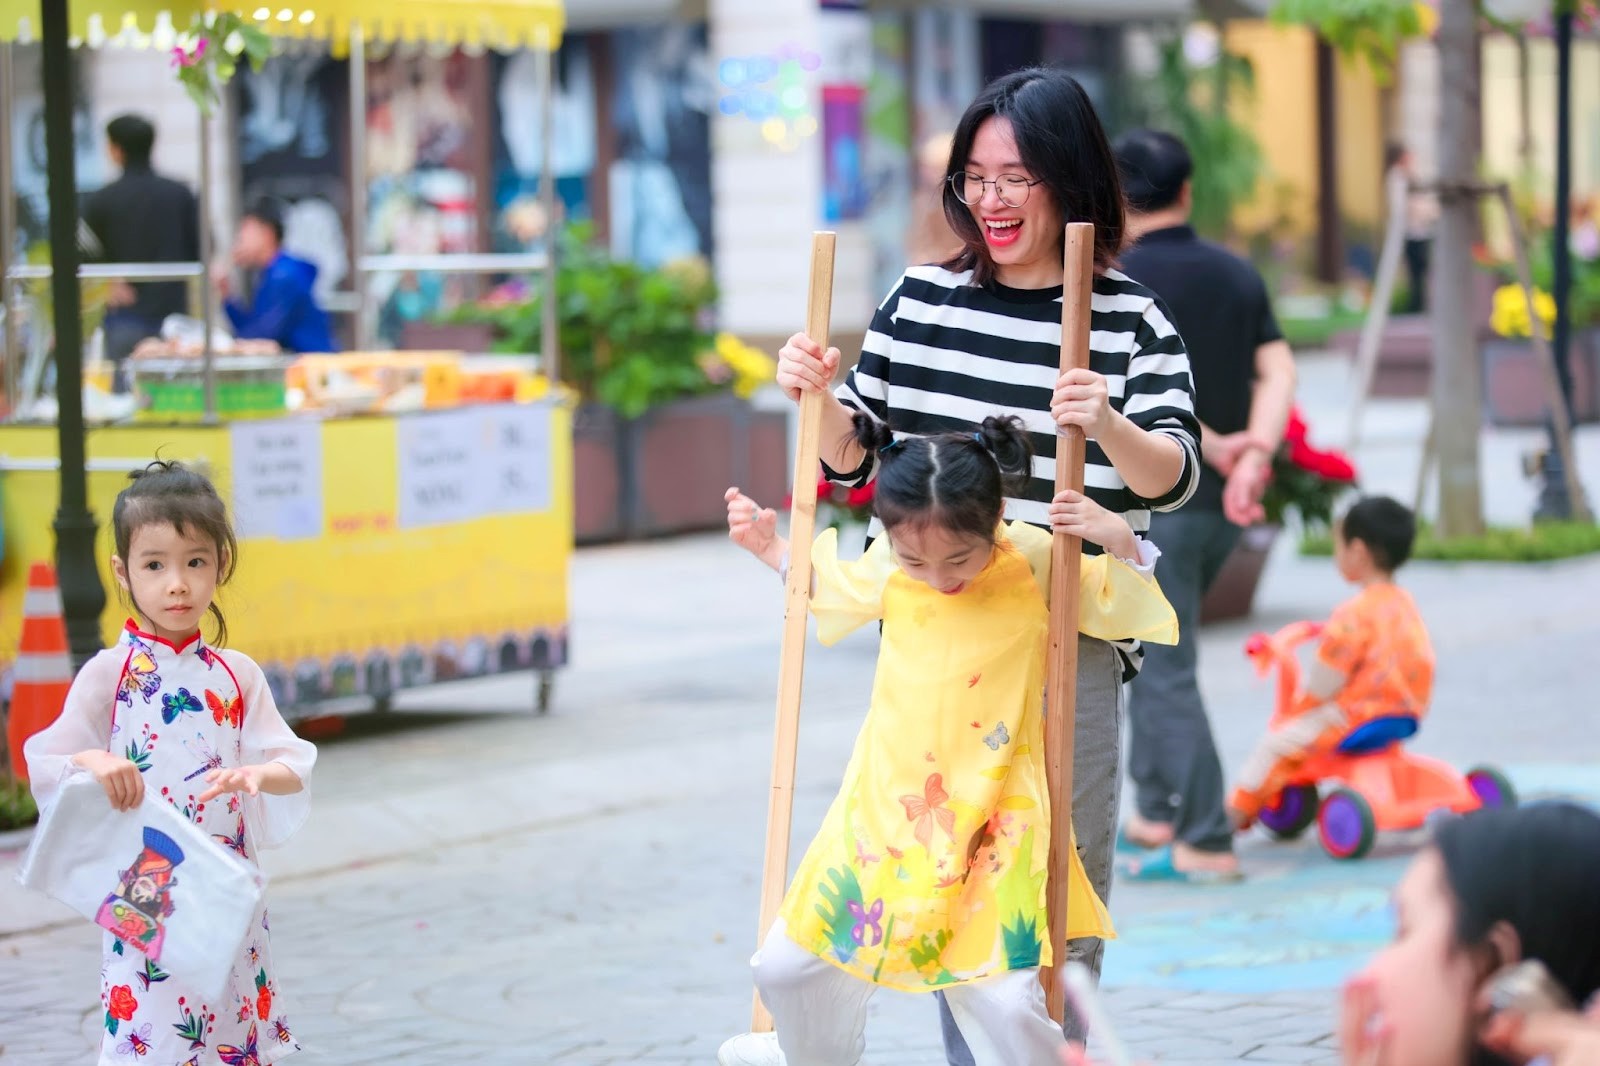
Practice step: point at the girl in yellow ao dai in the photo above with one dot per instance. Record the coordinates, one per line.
(929, 871)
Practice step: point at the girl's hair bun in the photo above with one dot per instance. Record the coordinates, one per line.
(871, 434)
(1004, 438)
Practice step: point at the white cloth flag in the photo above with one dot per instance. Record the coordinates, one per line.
(149, 876)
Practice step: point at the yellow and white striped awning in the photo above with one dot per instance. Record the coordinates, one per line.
(498, 24)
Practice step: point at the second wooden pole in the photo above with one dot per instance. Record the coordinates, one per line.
(1066, 564)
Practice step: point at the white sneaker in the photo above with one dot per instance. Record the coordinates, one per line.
(751, 1049)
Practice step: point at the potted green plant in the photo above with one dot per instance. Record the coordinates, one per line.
(664, 422)
(1513, 381)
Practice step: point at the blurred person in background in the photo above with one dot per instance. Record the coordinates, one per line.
(1421, 212)
(283, 308)
(1244, 379)
(141, 217)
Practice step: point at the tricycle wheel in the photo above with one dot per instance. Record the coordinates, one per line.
(1345, 825)
(1291, 813)
(1493, 788)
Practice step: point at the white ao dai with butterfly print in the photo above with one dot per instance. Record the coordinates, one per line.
(179, 713)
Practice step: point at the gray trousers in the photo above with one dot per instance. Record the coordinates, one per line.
(1096, 781)
(1172, 757)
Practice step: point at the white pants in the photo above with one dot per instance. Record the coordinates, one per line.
(820, 1011)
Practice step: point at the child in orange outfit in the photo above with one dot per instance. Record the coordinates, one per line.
(1374, 659)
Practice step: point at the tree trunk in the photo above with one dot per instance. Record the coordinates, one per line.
(1457, 387)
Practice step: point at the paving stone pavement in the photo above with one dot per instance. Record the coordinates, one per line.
(482, 885)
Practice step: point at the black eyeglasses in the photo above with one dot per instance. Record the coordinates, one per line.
(1012, 189)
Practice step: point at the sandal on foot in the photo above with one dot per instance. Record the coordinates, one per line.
(1157, 866)
(1126, 845)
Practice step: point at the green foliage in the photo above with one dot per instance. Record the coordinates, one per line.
(1191, 103)
(631, 337)
(1309, 333)
(1310, 494)
(208, 55)
(1583, 298)
(17, 808)
(1545, 542)
(1367, 29)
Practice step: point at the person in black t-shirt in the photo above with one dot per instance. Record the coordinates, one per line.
(1244, 379)
(141, 217)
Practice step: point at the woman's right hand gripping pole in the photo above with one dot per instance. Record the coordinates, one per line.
(804, 367)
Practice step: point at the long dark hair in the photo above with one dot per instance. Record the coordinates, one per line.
(169, 493)
(1538, 870)
(1062, 144)
(956, 481)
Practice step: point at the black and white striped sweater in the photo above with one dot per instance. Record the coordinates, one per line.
(943, 354)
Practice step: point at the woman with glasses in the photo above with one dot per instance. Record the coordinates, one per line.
(980, 335)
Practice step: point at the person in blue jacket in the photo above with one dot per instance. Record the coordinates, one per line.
(283, 308)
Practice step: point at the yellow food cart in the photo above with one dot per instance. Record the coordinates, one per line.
(379, 551)
(375, 553)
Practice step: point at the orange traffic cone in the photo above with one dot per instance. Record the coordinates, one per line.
(43, 671)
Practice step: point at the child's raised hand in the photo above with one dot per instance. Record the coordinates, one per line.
(233, 779)
(750, 526)
(1075, 514)
(121, 779)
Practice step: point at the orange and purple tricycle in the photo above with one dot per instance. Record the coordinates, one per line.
(1367, 783)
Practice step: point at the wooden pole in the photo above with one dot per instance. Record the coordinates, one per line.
(1366, 364)
(796, 608)
(1066, 563)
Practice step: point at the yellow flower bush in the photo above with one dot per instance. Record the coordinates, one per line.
(1510, 316)
(749, 367)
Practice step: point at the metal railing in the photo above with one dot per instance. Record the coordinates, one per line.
(458, 263)
(24, 372)
(353, 301)
(112, 272)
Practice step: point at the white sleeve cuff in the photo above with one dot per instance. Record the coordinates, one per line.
(1148, 554)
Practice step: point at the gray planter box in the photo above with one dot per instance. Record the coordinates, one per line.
(666, 471)
(1513, 382)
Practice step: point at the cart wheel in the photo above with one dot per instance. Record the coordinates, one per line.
(1345, 825)
(1291, 813)
(1493, 788)
(547, 687)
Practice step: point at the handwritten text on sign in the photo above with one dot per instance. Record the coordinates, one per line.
(459, 465)
(519, 455)
(277, 479)
(439, 466)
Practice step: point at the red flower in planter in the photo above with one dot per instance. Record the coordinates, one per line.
(1306, 479)
(1332, 465)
